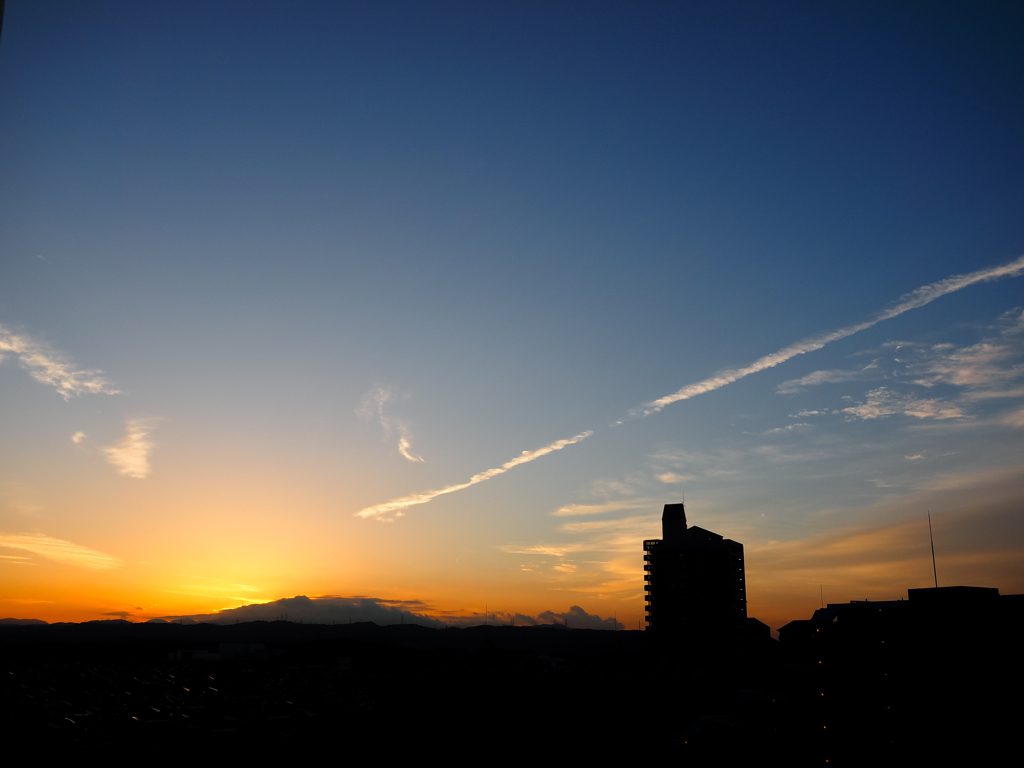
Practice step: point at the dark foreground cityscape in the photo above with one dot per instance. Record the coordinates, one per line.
(913, 678)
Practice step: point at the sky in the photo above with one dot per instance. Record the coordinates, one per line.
(422, 311)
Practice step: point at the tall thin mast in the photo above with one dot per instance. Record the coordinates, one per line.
(932, 540)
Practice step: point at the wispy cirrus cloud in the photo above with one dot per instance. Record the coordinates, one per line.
(573, 510)
(695, 465)
(986, 372)
(1014, 418)
(828, 377)
(882, 402)
(372, 406)
(670, 478)
(917, 298)
(548, 550)
(16, 560)
(610, 568)
(913, 300)
(59, 550)
(131, 455)
(380, 511)
(786, 429)
(52, 368)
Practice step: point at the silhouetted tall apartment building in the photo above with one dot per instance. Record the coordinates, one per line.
(693, 579)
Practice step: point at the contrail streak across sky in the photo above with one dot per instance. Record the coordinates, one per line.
(923, 295)
(917, 298)
(397, 505)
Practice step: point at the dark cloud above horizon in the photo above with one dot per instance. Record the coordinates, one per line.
(328, 609)
(574, 618)
(335, 609)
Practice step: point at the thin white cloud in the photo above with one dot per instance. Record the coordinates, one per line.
(606, 488)
(16, 560)
(372, 406)
(827, 377)
(883, 402)
(404, 445)
(672, 477)
(78, 437)
(917, 298)
(48, 367)
(981, 366)
(59, 550)
(992, 394)
(131, 455)
(551, 550)
(1015, 418)
(609, 566)
(720, 463)
(788, 428)
(572, 510)
(379, 511)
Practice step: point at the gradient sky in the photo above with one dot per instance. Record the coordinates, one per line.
(265, 266)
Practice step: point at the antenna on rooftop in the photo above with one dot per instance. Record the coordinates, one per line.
(931, 538)
(821, 594)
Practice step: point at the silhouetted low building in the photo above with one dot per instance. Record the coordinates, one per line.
(694, 580)
(928, 671)
(942, 614)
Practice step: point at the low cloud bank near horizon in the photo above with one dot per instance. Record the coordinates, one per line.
(335, 609)
(328, 609)
(575, 618)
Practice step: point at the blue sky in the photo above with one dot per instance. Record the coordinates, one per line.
(293, 237)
